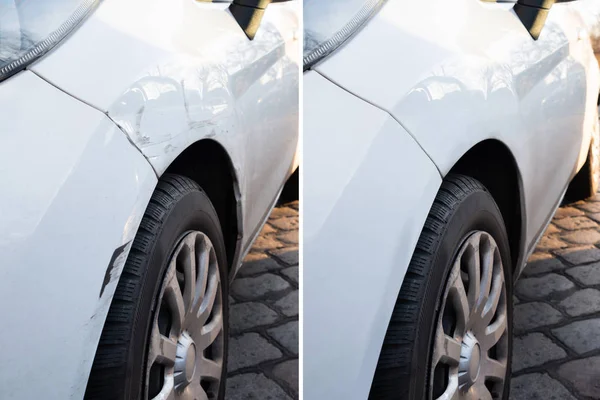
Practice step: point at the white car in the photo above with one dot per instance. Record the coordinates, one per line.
(439, 139)
(143, 144)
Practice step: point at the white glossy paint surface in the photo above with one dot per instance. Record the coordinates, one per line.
(73, 190)
(452, 74)
(456, 73)
(173, 72)
(368, 188)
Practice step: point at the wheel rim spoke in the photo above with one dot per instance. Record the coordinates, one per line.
(210, 369)
(493, 333)
(188, 346)
(163, 350)
(470, 323)
(447, 349)
(494, 369)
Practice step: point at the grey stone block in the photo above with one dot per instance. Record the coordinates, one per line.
(550, 243)
(288, 372)
(537, 288)
(256, 263)
(254, 387)
(286, 223)
(586, 301)
(243, 316)
(564, 212)
(580, 336)
(286, 335)
(583, 375)
(266, 243)
(292, 273)
(290, 237)
(534, 315)
(533, 350)
(538, 387)
(288, 304)
(253, 288)
(580, 254)
(584, 236)
(250, 349)
(587, 274)
(541, 263)
(288, 255)
(575, 223)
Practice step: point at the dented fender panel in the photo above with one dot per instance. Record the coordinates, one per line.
(172, 72)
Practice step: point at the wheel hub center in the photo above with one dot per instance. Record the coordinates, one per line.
(470, 361)
(185, 363)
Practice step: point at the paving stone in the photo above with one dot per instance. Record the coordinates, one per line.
(250, 315)
(288, 304)
(254, 387)
(538, 387)
(550, 243)
(540, 287)
(564, 212)
(584, 236)
(286, 223)
(267, 229)
(541, 263)
(279, 212)
(231, 300)
(289, 255)
(594, 216)
(288, 372)
(587, 274)
(256, 263)
(583, 375)
(590, 206)
(580, 254)
(516, 300)
(533, 350)
(253, 288)
(534, 315)
(586, 301)
(581, 336)
(294, 204)
(289, 237)
(575, 223)
(292, 273)
(286, 335)
(250, 349)
(551, 229)
(266, 243)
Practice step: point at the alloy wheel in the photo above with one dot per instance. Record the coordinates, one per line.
(185, 355)
(470, 349)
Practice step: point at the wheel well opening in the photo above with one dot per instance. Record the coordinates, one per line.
(208, 164)
(492, 164)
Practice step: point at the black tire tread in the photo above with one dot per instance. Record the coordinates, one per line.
(110, 360)
(394, 364)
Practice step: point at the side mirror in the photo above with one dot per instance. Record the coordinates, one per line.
(249, 14)
(533, 14)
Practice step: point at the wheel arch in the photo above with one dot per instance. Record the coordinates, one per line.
(492, 163)
(208, 163)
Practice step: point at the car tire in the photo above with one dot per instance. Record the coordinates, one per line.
(167, 326)
(435, 326)
(585, 183)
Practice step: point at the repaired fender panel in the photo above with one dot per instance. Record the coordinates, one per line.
(74, 191)
(368, 188)
(471, 72)
(173, 72)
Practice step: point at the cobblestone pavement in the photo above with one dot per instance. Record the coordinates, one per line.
(263, 347)
(556, 353)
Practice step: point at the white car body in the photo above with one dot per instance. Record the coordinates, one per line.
(386, 117)
(88, 130)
